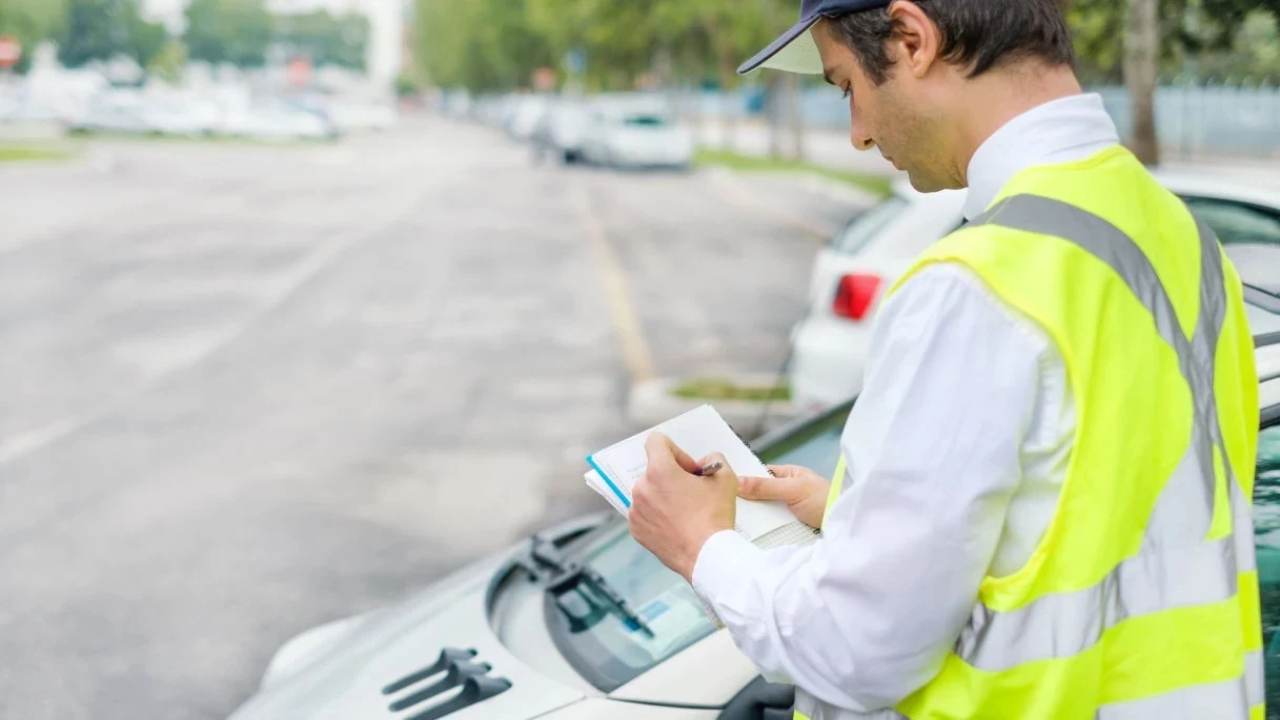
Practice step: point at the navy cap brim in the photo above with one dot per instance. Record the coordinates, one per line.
(793, 51)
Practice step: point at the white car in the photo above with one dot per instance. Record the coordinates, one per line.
(527, 116)
(564, 129)
(581, 623)
(851, 274)
(636, 133)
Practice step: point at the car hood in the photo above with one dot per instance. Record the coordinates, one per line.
(340, 670)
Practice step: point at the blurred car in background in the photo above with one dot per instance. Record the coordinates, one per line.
(113, 111)
(581, 622)
(850, 276)
(527, 113)
(564, 129)
(637, 131)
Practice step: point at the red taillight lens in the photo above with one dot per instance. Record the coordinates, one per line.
(854, 295)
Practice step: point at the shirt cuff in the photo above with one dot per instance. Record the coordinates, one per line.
(727, 561)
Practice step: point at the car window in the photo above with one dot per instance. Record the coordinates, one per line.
(868, 225)
(1238, 223)
(1266, 528)
(645, 121)
(609, 653)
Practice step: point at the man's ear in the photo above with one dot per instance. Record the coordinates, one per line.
(916, 40)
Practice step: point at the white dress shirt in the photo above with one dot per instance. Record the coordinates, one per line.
(956, 452)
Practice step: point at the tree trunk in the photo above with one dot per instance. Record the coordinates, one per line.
(728, 102)
(1141, 58)
(795, 116)
(775, 100)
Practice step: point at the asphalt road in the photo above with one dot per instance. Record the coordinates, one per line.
(248, 389)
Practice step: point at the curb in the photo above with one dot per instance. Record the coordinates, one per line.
(650, 402)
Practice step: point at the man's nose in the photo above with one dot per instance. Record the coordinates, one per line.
(859, 136)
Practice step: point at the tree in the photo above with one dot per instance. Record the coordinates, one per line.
(31, 21)
(1141, 65)
(103, 29)
(1137, 39)
(325, 39)
(228, 31)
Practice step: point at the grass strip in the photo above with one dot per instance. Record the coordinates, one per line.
(722, 389)
(875, 184)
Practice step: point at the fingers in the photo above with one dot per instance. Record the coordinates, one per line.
(767, 488)
(661, 450)
(710, 461)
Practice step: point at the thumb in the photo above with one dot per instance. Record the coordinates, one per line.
(769, 488)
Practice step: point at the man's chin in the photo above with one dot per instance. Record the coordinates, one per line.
(926, 184)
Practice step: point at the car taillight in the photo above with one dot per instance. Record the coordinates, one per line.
(854, 295)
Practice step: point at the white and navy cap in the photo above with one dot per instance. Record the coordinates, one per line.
(794, 50)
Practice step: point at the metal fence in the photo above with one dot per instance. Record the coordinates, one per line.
(1193, 121)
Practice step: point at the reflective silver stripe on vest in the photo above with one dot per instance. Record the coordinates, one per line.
(1228, 699)
(1174, 567)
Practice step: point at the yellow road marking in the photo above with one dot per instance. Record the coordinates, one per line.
(626, 323)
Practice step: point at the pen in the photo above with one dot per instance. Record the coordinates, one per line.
(711, 469)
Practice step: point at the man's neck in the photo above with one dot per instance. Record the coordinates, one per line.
(1004, 95)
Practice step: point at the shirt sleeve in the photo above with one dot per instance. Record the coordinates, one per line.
(865, 616)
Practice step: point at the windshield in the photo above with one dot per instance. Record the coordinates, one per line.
(867, 226)
(1266, 528)
(605, 650)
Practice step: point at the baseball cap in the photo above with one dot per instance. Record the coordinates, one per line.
(794, 50)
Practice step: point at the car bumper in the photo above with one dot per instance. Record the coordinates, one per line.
(828, 359)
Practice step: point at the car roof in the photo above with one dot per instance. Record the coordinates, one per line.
(1268, 364)
(1245, 184)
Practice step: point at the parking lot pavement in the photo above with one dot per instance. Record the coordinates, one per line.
(247, 389)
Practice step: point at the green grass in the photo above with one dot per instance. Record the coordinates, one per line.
(874, 184)
(33, 153)
(721, 389)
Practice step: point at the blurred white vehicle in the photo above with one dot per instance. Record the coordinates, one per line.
(358, 116)
(276, 121)
(851, 274)
(180, 114)
(114, 111)
(527, 116)
(564, 129)
(636, 133)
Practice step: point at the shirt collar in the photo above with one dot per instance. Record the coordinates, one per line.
(1063, 130)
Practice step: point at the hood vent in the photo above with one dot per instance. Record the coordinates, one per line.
(455, 668)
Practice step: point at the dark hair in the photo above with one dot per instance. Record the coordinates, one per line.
(978, 34)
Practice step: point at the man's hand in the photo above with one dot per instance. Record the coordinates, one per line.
(803, 490)
(674, 511)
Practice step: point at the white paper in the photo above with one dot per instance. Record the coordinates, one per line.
(699, 432)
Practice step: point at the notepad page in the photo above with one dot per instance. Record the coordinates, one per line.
(699, 432)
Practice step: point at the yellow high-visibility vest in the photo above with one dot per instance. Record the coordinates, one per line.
(1141, 599)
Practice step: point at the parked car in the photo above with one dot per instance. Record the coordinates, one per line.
(564, 129)
(551, 627)
(636, 132)
(527, 115)
(851, 275)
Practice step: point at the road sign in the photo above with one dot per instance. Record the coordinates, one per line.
(10, 51)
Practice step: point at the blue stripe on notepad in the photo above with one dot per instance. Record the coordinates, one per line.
(626, 502)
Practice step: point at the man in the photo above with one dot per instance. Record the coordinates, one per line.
(1042, 508)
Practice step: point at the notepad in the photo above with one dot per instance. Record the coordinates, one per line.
(699, 432)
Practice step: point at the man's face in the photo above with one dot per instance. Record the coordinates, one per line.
(893, 116)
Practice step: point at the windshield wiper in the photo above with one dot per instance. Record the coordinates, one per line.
(545, 562)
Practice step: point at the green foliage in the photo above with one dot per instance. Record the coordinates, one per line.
(496, 44)
(324, 38)
(30, 21)
(101, 29)
(1196, 35)
(479, 44)
(169, 63)
(878, 185)
(228, 31)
